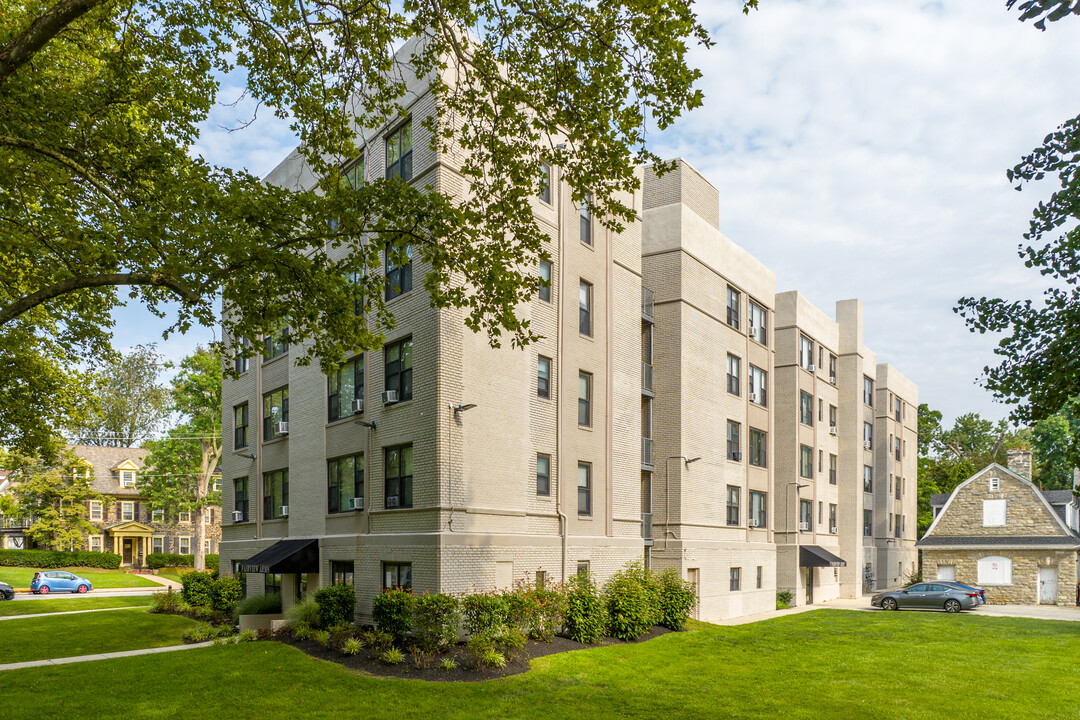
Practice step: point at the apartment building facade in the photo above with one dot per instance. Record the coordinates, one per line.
(436, 462)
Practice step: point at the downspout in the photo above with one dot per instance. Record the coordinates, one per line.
(560, 332)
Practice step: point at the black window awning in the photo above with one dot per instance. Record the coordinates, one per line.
(285, 557)
(815, 556)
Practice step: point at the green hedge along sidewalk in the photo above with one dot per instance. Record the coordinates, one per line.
(62, 636)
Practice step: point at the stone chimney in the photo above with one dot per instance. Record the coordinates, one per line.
(1019, 460)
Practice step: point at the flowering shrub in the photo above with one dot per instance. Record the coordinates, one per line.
(484, 613)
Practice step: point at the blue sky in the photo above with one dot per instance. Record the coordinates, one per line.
(860, 150)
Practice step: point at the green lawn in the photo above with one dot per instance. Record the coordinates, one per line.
(62, 604)
(101, 579)
(89, 634)
(823, 664)
(173, 573)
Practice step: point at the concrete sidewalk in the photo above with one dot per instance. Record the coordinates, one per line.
(71, 612)
(103, 656)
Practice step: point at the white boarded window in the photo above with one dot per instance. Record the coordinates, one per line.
(994, 513)
(995, 570)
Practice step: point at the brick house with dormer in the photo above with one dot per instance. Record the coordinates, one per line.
(1001, 532)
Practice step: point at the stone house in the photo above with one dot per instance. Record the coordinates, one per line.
(12, 530)
(999, 531)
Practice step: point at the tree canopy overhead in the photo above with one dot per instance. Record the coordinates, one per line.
(100, 101)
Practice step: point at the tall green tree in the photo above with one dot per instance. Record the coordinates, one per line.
(55, 495)
(127, 400)
(183, 464)
(101, 100)
(1038, 367)
(1056, 445)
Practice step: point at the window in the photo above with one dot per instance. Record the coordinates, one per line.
(584, 488)
(899, 487)
(759, 576)
(185, 545)
(758, 516)
(95, 510)
(899, 525)
(541, 579)
(354, 175)
(544, 293)
(995, 570)
(397, 575)
(734, 441)
(272, 584)
(867, 523)
(127, 479)
(806, 409)
(806, 519)
(399, 476)
(157, 515)
(398, 271)
(832, 518)
(543, 474)
(758, 448)
(157, 544)
(820, 461)
(543, 377)
(544, 193)
(345, 483)
(399, 153)
(240, 498)
(584, 403)
(832, 469)
(585, 308)
(586, 219)
(758, 378)
(832, 369)
(734, 374)
(275, 494)
(994, 513)
(736, 579)
(995, 484)
(398, 375)
(127, 511)
(240, 363)
(868, 436)
(897, 449)
(206, 546)
(733, 297)
(345, 385)
(820, 409)
(732, 505)
(582, 567)
(867, 391)
(277, 343)
(806, 461)
(240, 426)
(94, 543)
(183, 517)
(341, 572)
(832, 416)
(275, 412)
(806, 352)
(758, 323)
(890, 522)
(820, 512)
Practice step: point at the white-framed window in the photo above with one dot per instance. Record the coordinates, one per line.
(185, 545)
(995, 570)
(95, 543)
(157, 515)
(994, 513)
(208, 515)
(127, 478)
(206, 546)
(184, 517)
(95, 510)
(995, 485)
(157, 544)
(127, 511)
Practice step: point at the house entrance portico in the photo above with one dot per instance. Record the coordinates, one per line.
(131, 541)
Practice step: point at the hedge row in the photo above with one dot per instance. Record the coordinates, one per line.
(156, 561)
(59, 559)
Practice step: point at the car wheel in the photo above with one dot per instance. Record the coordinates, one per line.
(952, 606)
(82, 589)
(43, 590)
(889, 604)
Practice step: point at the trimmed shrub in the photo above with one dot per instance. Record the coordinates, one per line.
(166, 602)
(337, 605)
(392, 611)
(198, 588)
(783, 599)
(484, 613)
(306, 611)
(156, 561)
(586, 616)
(631, 602)
(259, 605)
(677, 599)
(225, 593)
(436, 621)
(51, 559)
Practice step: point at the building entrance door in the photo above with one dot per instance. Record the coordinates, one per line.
(127, 551)
(1048, 585)
(810, 585)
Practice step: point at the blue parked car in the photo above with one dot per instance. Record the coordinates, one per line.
(58, 581)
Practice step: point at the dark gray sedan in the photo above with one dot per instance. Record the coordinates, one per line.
(6, 593)
(927, 596)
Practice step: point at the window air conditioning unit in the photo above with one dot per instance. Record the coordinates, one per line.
(358, 406)
(812, 367)
(284, 511)
(833, 430)
(736, 455)
(356, 503)
(832, 379)
(237, 516)
(389, 396)
(804, 526)
(832, 529)
(391, 501)
(282, 428)
(753, 523)
(867, 444)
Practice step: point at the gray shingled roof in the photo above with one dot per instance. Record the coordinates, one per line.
(1054, 497)
(103, 460)
(939, 499)
(1004, 540)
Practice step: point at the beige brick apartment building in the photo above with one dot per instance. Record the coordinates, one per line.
(437, 462)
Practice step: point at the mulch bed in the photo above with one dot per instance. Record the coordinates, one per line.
(519, 663)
